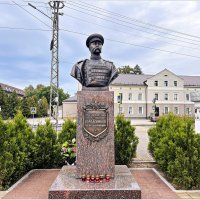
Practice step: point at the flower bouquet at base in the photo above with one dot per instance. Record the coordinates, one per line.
(68, 152)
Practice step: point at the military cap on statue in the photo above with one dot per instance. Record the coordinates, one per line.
(94, 37)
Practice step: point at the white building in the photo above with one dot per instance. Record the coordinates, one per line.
(171, 91)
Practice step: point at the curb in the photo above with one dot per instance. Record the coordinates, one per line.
(145, 162)
(165, 181)
(150, 125)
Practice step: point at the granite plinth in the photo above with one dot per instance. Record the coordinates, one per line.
(67, 186)
(95, 157)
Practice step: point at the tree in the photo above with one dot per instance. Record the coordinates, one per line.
(44, 91)
(29, 91)
(125, 70)
(129, 70)
(25, 107)
(14, 103)
(4, 104)
(62, 96)
(42, 109)
(137, 70)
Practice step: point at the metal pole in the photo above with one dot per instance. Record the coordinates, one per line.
(54, 83)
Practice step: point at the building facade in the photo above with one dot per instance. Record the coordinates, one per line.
(10, 89)
(161, 93)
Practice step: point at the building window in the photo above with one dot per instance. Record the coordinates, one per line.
(187, 97)
(140, 96)
(166, 97)
(175, 97)
(156, 96)
(121, 110)
(140, 110)
(187, 111)
(165, 83)
(166, 110)
(176, 110)
(175, 83)
(155, 83)
(130, 110)
(130, 96)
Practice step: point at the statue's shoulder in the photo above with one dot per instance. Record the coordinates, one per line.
(108, 62)
(80, 62)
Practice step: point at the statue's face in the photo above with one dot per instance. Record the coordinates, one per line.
(95, 47)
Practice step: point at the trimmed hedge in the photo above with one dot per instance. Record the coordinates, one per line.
(125, 141)
(176, 148)
(21, 149)
(68, 131)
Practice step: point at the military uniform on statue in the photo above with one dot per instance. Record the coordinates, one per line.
(96, 72)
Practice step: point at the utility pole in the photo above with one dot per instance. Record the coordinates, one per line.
(54, 83)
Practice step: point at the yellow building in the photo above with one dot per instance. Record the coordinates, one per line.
(170, 92)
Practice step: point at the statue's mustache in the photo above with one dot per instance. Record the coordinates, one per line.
(97, 48)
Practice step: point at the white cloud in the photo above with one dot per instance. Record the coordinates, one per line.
(26, 53)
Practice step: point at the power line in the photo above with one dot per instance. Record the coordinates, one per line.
(31, 14)
(133, 44)
(119, 19)
(130, 26)
(12, 4)
(24, 29)
(136, 20)
(36, 2)
(131, 34)
(116, 41)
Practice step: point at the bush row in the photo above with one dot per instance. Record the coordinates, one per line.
(176, 148)
(21, 149)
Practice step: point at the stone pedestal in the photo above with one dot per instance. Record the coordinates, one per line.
(95, 133)
(67, 186)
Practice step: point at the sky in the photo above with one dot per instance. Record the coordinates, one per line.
(153, 34)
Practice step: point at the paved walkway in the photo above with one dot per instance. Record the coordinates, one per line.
(142, 153)
(152, 186)
(35, 186)
(37, 183)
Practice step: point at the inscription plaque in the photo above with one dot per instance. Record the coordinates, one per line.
(95, 121)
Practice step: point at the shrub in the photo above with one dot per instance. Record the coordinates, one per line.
(47, 150)
(6, 158)
(176, 149)
(16, 149)
(68, 131)
(125, 141)
(22, 150)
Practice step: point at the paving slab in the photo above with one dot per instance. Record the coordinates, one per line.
(152, 186)
(142, 152)
(34, 186)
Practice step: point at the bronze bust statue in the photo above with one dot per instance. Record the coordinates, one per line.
(94, 73)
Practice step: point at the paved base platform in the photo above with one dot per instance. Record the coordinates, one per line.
(37, 183)
(67, 186)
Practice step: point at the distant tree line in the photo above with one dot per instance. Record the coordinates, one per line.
(34, 97)
(130, 70)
